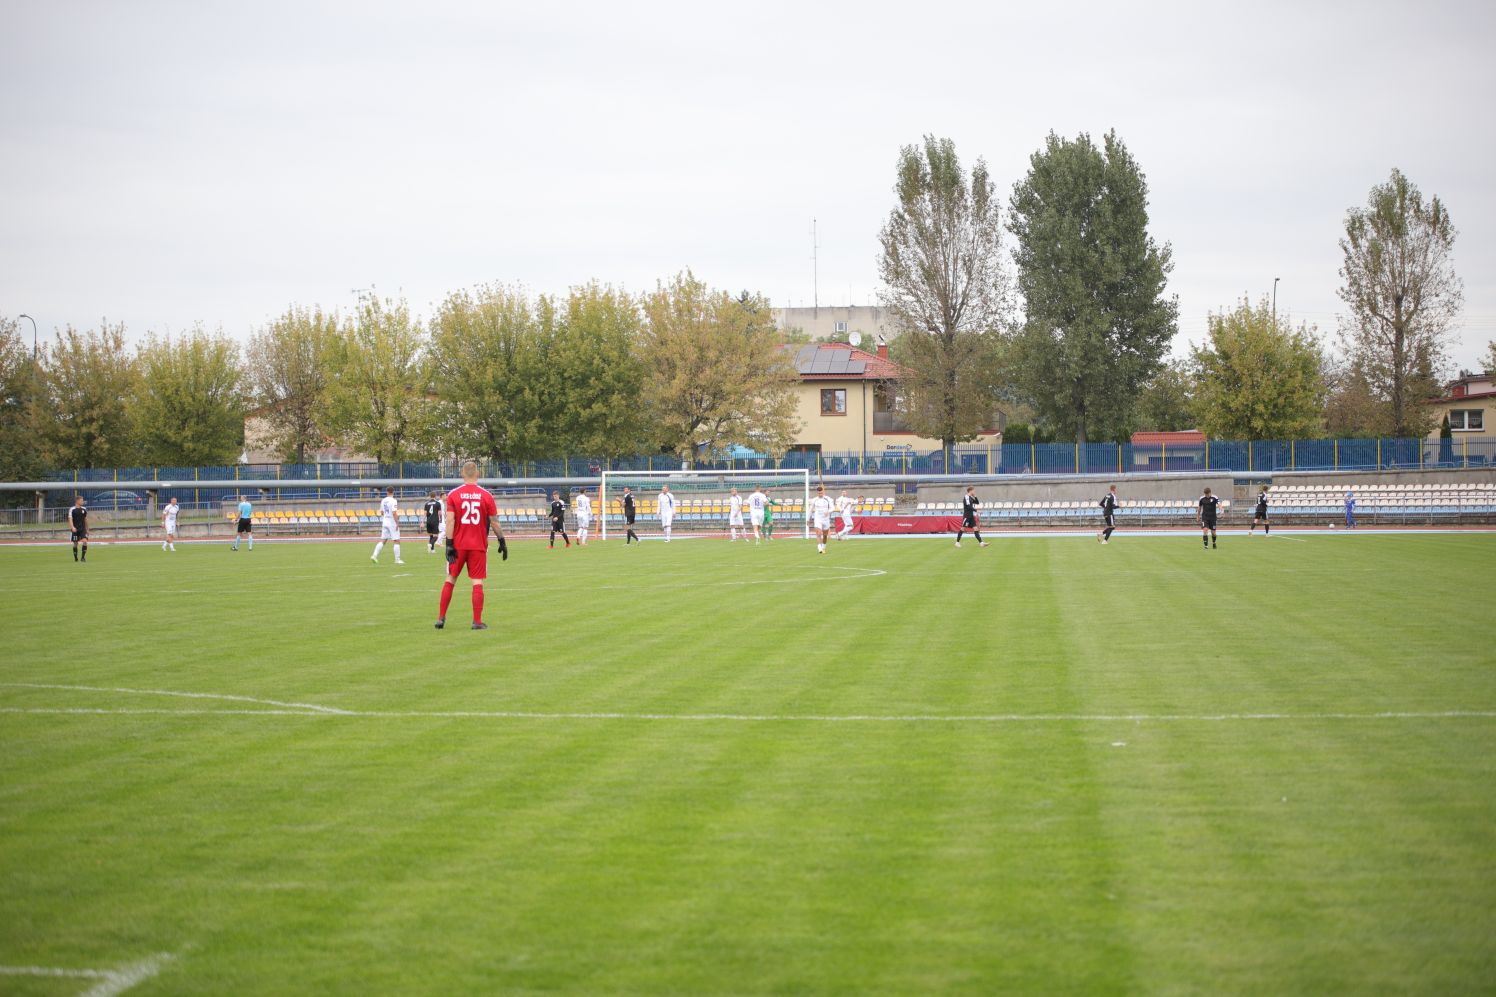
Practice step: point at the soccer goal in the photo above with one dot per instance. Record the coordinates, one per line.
(702, 497)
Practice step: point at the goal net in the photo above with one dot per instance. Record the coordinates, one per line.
(701, 498)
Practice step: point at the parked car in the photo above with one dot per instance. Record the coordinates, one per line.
(115, 498)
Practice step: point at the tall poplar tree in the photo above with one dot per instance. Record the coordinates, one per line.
(1097, 321)
(1404, 296)
(947, 290)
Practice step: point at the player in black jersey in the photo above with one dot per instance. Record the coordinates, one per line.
(78, 524)
(558, 519)
(970, 507)
(1260, 516)
(435, 521)
(1108, 511)
(628, 516)
(1205, 515)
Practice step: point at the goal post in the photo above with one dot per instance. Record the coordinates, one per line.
(708, 488)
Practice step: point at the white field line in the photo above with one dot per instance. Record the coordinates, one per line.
(299, 707)
(122, 979)
(768, 718)
(111, 981)
(285, 709)
(86, 974)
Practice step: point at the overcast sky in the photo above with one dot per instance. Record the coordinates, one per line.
(171, 163)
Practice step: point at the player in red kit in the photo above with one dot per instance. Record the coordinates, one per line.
(471, 512)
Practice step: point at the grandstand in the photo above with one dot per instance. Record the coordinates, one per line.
(1397, 504)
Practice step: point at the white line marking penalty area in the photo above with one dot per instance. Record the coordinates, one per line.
(110, 981)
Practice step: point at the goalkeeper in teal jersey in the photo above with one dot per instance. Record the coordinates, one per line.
(769, 519)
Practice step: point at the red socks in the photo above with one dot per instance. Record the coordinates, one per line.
(446, 599)
(477, 603)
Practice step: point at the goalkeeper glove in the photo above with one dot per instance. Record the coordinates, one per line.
(451, 551)
(503, 549)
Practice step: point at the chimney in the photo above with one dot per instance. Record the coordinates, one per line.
(882, 350)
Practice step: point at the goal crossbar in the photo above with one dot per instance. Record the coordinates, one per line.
(698, 482)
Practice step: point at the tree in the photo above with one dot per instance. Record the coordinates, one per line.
(1490, 362)
(492, 375)
(189, 409)
(1403, 296)
(715, 373)
(596, 350)
(1446, 441)
(80, 412)
(1167, 401)
(288, 375)
(1097, 323)
(18, 383)
(378, 401)
(947, 290)
(1351, 408)
(1257, 378)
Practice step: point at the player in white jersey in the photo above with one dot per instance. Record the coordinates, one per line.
(389, 525)
(735, 515)
(756, 504)
(667, 510)
(820, 514)
(169, 524)
(844, 505)
(582, 506)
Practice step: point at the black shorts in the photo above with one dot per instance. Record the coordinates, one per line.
(244, 526)
(968, 522)
(1107, 518)
(79, 535)
(1208, 523)
(628, 518)
(1262, 512)
(432, 526)
(558, 524)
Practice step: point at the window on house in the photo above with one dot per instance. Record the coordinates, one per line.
(1467, 419)
(887, 409)
(833, 401)
(841, 327)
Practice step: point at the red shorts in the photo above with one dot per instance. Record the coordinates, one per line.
(476, 562)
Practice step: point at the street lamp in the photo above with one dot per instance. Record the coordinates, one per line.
(33, 336)
(1275, 303)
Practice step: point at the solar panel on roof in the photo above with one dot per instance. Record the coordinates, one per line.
(856, 366)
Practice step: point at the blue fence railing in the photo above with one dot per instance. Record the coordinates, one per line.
(1005, 458)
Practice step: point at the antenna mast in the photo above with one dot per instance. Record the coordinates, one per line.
(815, 270)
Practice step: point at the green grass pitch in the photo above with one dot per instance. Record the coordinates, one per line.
(712, 768)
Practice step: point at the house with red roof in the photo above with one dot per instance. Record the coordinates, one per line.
(1470, 402)
(849, 403)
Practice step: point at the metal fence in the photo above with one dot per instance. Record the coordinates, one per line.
(204, 485)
